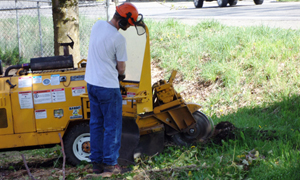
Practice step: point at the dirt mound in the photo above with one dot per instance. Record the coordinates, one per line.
(223, 131)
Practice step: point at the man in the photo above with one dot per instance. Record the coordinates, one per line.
(105, 63)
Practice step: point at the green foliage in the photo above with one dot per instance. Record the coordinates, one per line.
(11, 57)
(246, 65)
(46, 152)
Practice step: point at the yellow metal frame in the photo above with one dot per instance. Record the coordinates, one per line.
(145, 82)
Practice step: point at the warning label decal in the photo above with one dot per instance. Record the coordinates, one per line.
(130, 94)
(40, 114)
(37, 79)
(124, 102)
(58, 95)
(25, 82)
(55, 79)
(76, 91)
(25, 100)
(41, 97)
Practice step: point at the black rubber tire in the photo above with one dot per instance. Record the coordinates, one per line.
(258, 2)
(203, 130)
(222, 3)
(198, 3)
(78, 133)
(232, 2)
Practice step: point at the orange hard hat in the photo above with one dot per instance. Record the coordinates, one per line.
(128, 11)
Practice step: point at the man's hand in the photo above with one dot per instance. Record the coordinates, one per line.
(121, 77)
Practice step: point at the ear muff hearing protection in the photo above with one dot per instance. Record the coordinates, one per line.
(124, 21)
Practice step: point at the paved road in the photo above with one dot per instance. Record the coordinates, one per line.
(245, 13)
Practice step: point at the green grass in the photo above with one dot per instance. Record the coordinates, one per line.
(255, 74)
(252, 74)
(251, 155)
(250, 65)
(29, 36)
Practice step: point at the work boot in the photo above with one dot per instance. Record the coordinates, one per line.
(97, 168)
(116, 169)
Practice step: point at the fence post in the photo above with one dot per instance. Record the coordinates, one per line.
(18, 28)
(110, 10)
(107, 10)
(40, 29)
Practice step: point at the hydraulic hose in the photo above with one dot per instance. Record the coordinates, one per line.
(18, 66)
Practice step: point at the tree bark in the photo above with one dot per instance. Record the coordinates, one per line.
(66, 22)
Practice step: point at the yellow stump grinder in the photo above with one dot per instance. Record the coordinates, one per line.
(48, 96)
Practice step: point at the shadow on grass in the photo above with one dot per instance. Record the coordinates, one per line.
(279, 121)
(270, 129)
(280, 116)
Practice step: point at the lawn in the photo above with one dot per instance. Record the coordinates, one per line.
(248, 76)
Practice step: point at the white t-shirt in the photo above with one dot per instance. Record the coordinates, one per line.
(107, 46)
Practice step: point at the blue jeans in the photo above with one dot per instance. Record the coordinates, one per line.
(105, 124)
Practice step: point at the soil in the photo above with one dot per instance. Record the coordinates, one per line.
(192, 90)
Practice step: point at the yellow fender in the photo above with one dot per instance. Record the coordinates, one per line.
(193, 107)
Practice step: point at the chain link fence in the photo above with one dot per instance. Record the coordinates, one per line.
(27, 26)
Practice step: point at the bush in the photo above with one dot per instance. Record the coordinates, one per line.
(11, 57)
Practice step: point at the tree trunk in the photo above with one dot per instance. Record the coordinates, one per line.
(66, 22)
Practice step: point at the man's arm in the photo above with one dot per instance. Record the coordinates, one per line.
(121, 67)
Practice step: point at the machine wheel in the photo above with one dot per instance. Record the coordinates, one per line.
(203, 131)
(232, 2)
(258, 2)
(77, 144)
(198, 3)
(222, 3)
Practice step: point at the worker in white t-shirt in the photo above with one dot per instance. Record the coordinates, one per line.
(105, 63)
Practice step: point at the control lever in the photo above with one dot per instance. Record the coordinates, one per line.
(11, 85)
(65, 45)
